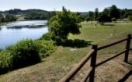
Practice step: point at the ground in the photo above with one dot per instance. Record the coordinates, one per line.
(54, 67)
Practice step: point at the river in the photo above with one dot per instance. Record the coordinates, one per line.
(13, 32)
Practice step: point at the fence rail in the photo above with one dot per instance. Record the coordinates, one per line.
(74, 71)
(106, 46)
(93, 56)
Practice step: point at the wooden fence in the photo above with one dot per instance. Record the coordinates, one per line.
(93, 56)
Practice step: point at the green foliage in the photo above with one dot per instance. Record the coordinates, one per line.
(5, 61)
(80, 18)
(96, 13)
(36, 16)
(130, 18)
(45, 47)
(46, 36)
(1, 18)
(103, 18)
(24, 53)
(31, 14)
(109, 14)
(9, 18)
(62, 24)
(114, 12)
(91, 15)
(87, 19)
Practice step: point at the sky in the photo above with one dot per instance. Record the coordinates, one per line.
(72, 5)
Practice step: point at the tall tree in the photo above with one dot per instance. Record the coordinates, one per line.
(62, 24)
(114, 12)
(107, 11)
(1, 17)
(91, 15)
(103, 17)
(96, 13)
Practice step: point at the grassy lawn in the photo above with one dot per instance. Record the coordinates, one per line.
(64, 58)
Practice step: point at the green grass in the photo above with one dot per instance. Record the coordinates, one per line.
(63, 59)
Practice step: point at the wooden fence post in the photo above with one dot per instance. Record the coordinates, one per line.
(93, 63)
(127, 48)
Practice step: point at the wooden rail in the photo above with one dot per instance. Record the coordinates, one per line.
(93, 56)
(109, 45)
(74, 71)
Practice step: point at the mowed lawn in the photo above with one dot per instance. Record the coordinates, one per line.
(54, 67)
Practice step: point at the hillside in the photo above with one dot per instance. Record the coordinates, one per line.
(63, 59)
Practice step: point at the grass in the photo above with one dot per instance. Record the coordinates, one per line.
(64, 58)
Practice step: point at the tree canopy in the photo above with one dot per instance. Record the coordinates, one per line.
(7, 18)
(114, 12)
(62, 24)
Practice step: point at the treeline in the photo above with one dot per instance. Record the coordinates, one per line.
(7, 18)
(39, 15)
(109, 14)
(30, 14)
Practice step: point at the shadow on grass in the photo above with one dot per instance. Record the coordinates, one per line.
(126, 76)
(76, 43)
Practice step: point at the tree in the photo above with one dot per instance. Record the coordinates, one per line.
(106, 11)
(114, 12)
(9, 18)
(87, 19)
(103, 17)
(91, 15)
(62, 24)
(1, 17)
(96, 13)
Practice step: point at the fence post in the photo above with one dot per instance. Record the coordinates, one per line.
(127, 48)
(93, 63)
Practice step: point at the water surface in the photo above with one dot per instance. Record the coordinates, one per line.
(13, 32)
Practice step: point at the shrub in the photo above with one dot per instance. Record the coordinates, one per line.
(24, 53)
(45, 47)
(46, 36)
(5, 61)
(87, 19)
(130, 18)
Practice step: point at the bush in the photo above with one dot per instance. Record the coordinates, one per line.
(45, 47)
(5, 61)
(87, 19)
(46, 36)
(130, 18)
(24, 53)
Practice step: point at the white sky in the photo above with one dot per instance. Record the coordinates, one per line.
(73, 5)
